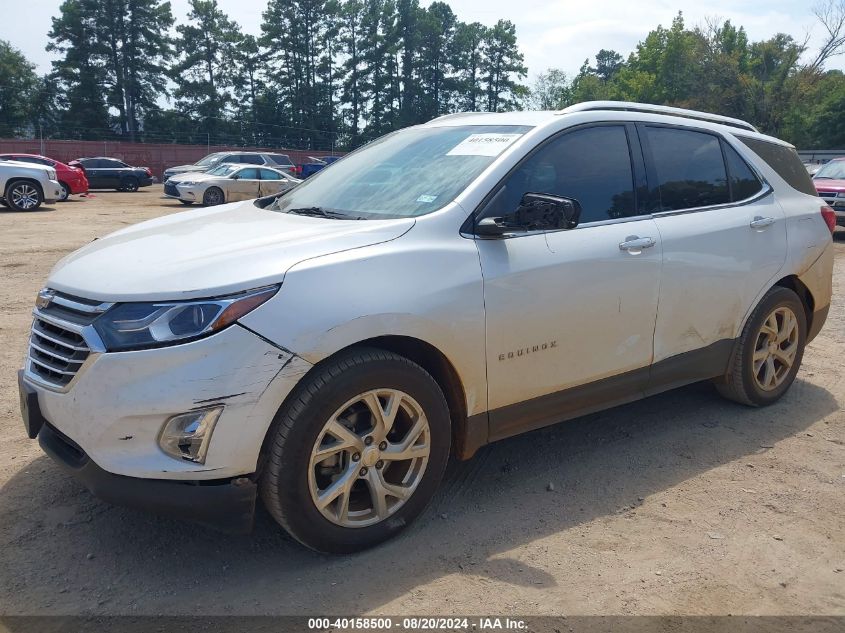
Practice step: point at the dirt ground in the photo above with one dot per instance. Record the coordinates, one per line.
(679, 504)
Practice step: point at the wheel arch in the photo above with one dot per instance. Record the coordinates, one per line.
(16, 179)
(467, 437)
(797, 286)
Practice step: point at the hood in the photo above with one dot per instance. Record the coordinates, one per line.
(829, 184)
(22, 165)
(182, 168)
(209, 252)
(186, 175)
(195, 176)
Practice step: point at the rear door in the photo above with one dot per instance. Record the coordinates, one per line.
(570, 313)
(724, 239)
(97, 173)
(243, 185)
(272, 182)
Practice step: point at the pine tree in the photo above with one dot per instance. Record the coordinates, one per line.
(204, 74)
(503, 67)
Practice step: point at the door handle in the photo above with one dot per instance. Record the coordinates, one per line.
(635, 245)
(759, 222)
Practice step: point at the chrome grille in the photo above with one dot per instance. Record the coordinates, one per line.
(61, 338)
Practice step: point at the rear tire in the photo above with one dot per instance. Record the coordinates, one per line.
(769, 352)
(23, 195)
(371, 479)
(129, 184)
(213, 196)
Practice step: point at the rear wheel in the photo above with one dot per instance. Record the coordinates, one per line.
(129, 184)
(770, 350)
(357, 451)
(24, 196)
(213, 196)
(65, 194)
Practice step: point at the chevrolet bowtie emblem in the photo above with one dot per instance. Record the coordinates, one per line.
(44, 298)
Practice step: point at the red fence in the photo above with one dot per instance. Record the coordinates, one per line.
(157, 157)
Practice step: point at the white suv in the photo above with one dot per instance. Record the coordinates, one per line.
(25, 186)
(446, 286)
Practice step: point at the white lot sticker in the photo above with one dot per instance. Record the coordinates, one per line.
(489, 144)
(426, 198)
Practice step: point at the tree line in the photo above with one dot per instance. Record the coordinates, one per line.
(327, 74)
(321, 72)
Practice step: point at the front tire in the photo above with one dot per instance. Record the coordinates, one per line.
(770, 351)
(65, 194)
(357, 451)
(24, 196)
(213, 196)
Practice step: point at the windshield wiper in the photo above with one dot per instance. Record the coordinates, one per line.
(822, 177)
(323, 213)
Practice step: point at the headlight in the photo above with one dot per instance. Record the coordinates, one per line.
(51, 173)
(187, 183)
(143, 325)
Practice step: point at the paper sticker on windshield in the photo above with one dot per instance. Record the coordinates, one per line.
(490, 144)
(426, 198)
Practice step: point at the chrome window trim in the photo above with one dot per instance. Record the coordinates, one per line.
(765, 191)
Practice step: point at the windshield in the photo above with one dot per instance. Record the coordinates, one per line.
(223, 170)
(209, 160)
(405, 174)
(834, 169)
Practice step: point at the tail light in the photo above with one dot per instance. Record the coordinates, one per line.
(829, 218)
(149, 171)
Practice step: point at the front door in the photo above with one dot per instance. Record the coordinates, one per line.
(571, 313)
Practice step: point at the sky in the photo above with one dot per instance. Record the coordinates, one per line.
(551, 33)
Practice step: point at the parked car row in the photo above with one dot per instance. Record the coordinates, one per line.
(72, 180)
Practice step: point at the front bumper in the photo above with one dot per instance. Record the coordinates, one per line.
(227, 505)
(104, 428)
(52, 191)
(116, 405)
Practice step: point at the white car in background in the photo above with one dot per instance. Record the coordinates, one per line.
(229, 183)
(25, 186)
(446, 286)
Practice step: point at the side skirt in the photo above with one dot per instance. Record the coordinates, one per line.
(693, 366)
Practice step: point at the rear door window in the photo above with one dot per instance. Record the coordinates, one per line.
(744, 183)
(269, 174)
(280, 159)
(252, 159)
(689, 168)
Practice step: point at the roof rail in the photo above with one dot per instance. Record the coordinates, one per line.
(627, 106)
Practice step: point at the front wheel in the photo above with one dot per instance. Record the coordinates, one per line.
(770, 350)
(65, 193)
(213, 196)
(24, 196)
(357, 451)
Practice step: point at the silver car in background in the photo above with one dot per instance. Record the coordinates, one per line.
(228, 183)
(282, 162)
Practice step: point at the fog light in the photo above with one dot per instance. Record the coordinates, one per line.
(187, 435)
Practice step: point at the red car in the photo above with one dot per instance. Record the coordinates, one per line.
(830, 185)
(72, 179)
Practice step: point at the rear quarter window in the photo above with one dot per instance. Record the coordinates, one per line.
(785, 161)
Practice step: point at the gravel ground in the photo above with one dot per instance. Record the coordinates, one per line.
(679, 504)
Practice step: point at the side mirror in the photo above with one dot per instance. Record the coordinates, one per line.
(236, 177)
(536, 212)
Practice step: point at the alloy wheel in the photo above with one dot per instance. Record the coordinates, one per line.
(24, 196)
(775, 348)
(369, 458)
